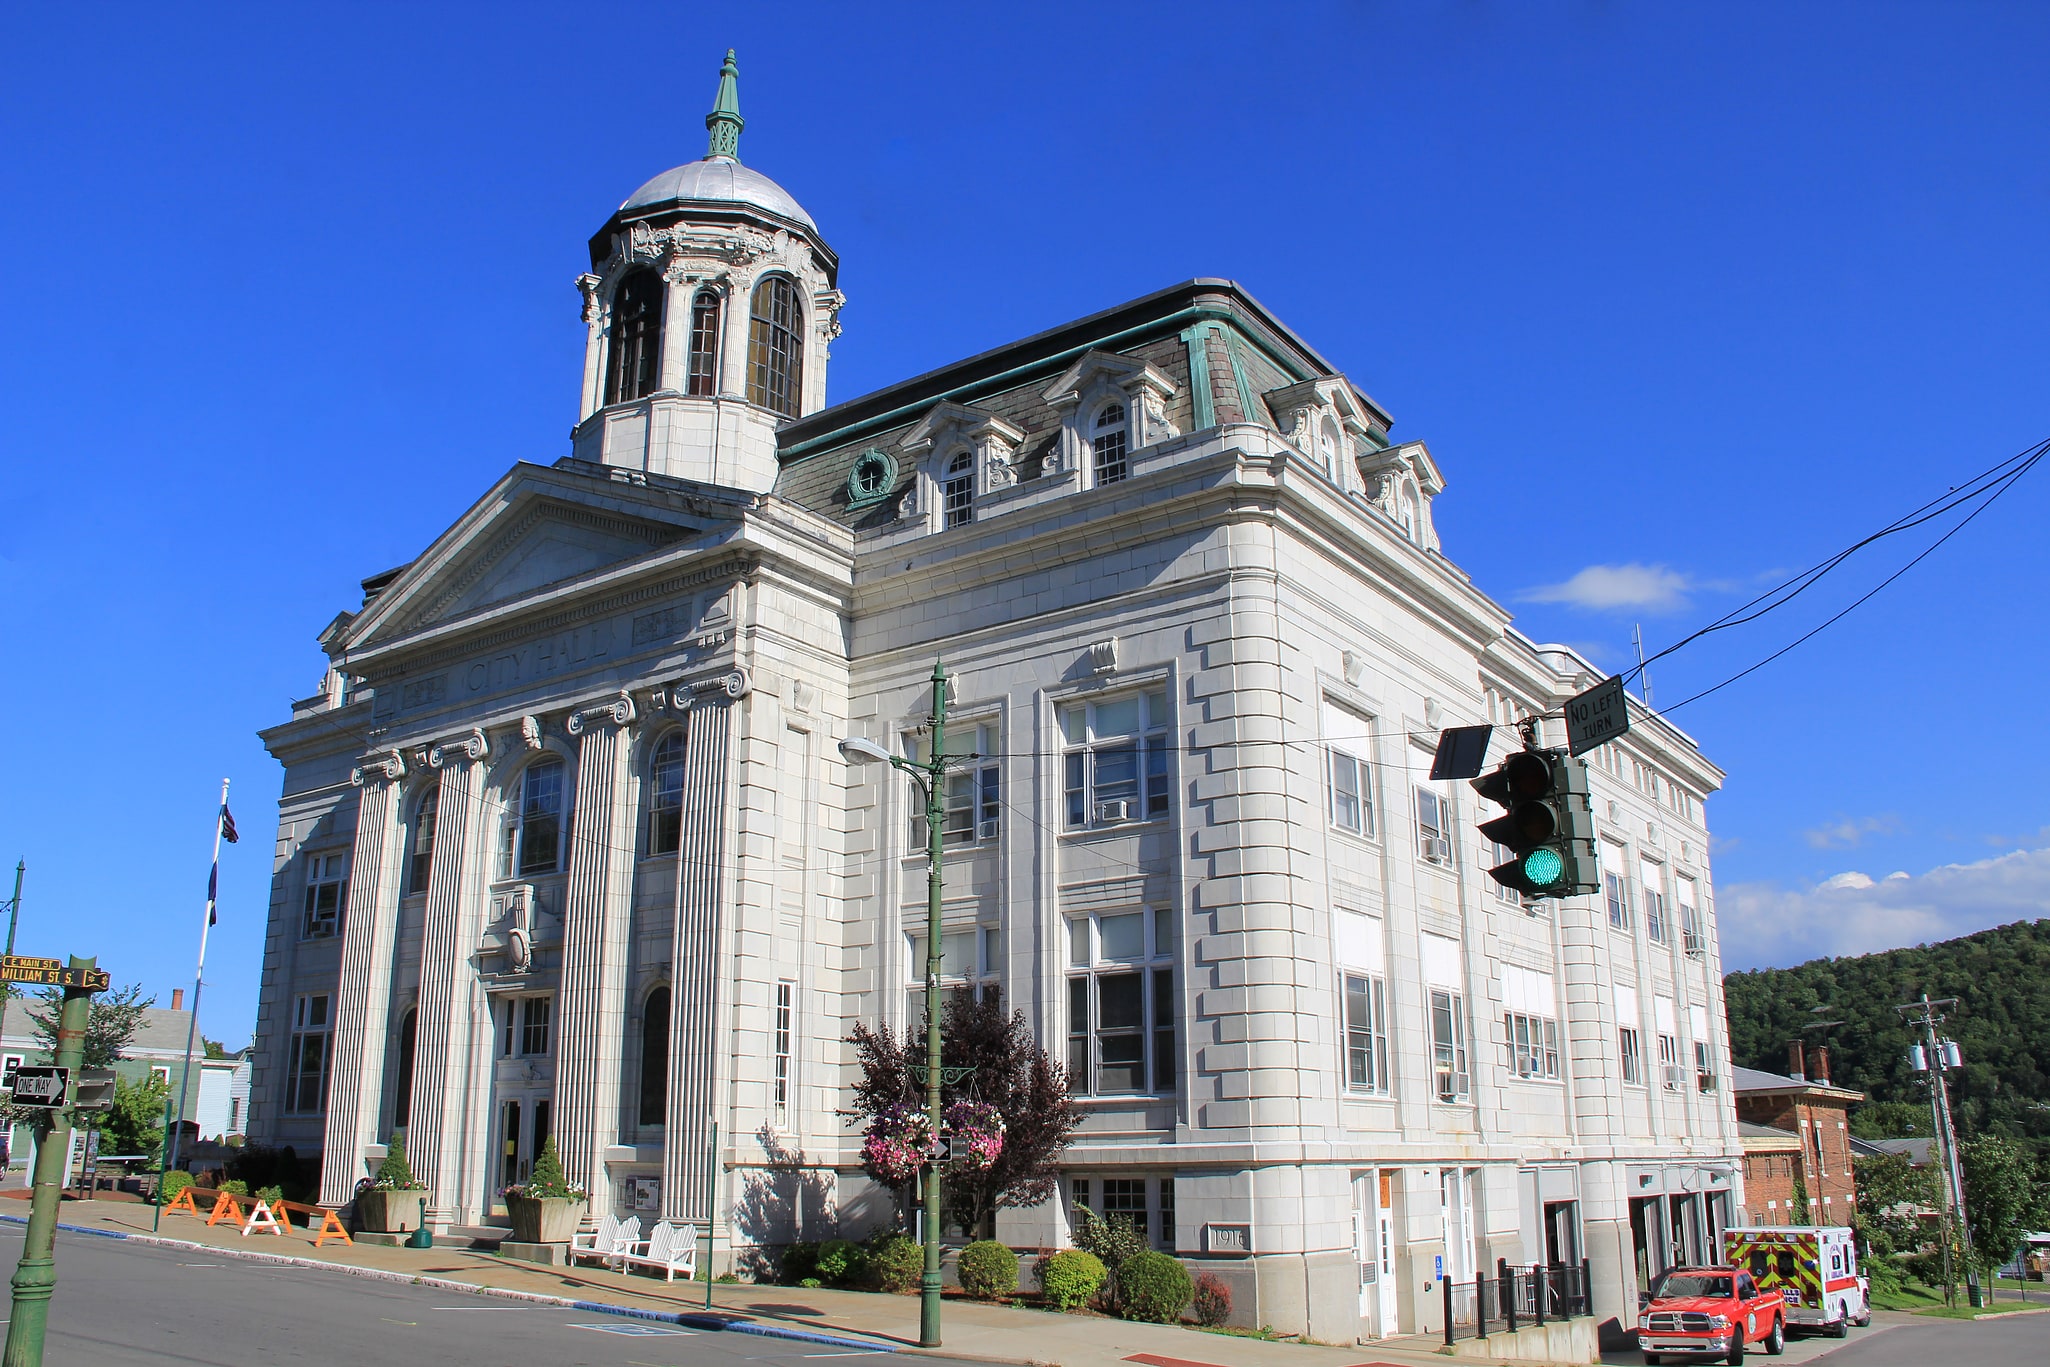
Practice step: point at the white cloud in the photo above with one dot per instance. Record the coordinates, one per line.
(1851, 832)
(1766, 924)
(1618, 588)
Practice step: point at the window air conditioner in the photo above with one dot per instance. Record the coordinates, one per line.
(1437, 851)
(1673, 1073)
(1121, 810)
(1705, 1081)
(986, 831)
(1694, 947)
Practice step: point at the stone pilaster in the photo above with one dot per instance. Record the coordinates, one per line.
(698, 957)
(598, 919)
(356, 1079)
(448, 980)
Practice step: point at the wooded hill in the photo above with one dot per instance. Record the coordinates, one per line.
(2001, 978)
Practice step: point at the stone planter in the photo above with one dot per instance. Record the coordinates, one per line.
(390, 1212)
(543, 1219)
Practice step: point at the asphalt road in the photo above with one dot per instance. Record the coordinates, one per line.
(121, 1304)
(1912, 1341)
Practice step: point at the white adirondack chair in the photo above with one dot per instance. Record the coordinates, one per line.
(607, 1240)
(673, 1248)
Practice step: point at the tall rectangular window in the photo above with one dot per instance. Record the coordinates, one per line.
(1691, 938)
(1433, 820)
(1669, 1062)
(704, 345)
(1618, 892)
(1121, 1003)
(1533, 1045)
(1652, 878)
(1633, 1054)
(1366, 1034)
(535, 1016)
(786, 1006)
(973, 792)
(1114, 760)
(1348, 742)
(327, 882)
(531, 840)
(970, 957)
(306, 1063)
(1448, 1045)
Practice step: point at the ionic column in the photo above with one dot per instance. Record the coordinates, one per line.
(697, 960)
(356, 1080)
(594, 344)
(597, 920)
(448, 980)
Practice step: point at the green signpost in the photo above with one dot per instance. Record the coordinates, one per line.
(36, 1278)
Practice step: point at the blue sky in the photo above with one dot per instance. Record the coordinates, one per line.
(1680, 296)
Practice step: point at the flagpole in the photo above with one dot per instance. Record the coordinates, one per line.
(168, 1151)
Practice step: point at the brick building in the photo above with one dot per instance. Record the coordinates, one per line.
(1795, 1127)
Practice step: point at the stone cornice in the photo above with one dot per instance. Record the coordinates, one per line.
(542, 509)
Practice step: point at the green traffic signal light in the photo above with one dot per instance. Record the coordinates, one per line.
(1543, 866)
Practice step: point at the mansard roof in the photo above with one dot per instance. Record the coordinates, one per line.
(1242, 353)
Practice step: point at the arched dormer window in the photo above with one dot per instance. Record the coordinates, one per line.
(531, 841)
(1108, 444)
(665, 796)
(775, 360)
(420, 842)
(1328, 447)
(703, 379)
(655, 1058)
(957, 492)
(635, 359)
(1406, 512)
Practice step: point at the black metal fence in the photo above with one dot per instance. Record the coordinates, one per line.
(1513, 1298)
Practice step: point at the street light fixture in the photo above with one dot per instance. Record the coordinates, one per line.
(930, 777)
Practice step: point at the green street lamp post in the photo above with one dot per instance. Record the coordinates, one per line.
(930, 776)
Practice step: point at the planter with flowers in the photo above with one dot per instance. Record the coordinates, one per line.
(978, 1131)
(545, 1209)
(394, 1200)
(894, 1148)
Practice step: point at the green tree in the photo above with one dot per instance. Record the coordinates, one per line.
(1800, 1201)
(135, 1123)
(214, 1048)
(1891, 1192)
(116, 1016)
(2005, 1197)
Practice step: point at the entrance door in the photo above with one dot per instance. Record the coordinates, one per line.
(522, 1130)
(1373, 1225)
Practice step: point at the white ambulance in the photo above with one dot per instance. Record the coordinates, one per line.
(1815, 1267)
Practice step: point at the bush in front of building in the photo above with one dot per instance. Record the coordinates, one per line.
(988, 1270)
(1154, 1287)
(236, 1185)
(799, 1261)
(1212, 1300)
(174, 1182)
(838, 1261)
(895, 1263)
(1070, 1278)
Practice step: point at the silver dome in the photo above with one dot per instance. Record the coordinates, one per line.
(717, 180)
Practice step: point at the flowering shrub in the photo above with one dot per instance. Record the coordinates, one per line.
(978, 1134)
(895, 1146)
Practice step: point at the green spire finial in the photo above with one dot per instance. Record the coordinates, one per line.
(724, 121)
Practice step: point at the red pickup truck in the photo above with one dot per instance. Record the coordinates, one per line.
(1709, 1312)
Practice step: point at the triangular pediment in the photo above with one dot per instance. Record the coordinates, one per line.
(537, 532)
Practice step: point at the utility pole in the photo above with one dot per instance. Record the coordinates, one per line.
(1934, 1056)
(14, 903)
(36, 1277)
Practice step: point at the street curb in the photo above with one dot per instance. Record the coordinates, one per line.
(693, 1319)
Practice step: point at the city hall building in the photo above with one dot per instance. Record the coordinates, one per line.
(567, 846)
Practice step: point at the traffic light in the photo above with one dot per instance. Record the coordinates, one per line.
(1548, 826)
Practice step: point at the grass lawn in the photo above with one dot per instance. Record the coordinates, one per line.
(1966, 1312)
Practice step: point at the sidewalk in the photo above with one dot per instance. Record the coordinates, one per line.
(972, 1330)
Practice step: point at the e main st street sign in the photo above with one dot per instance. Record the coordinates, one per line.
(17, 968)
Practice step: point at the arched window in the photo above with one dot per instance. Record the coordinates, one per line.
(1107, 442)
(655, 1057)
(665, 796)
(1327, 448)
(532, 839)
(1408, 512)
(636, 355)
(420, 846)
(775, 361)
(409, 1035)
(704, 344)
(957, 492)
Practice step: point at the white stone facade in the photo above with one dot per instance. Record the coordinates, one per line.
(1169, 527)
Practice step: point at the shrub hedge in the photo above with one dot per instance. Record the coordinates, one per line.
(988, 1270)
(1212, 1300)
(1070, 1278)
(1154, 1287)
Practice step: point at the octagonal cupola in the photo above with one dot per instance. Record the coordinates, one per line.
(710, 308)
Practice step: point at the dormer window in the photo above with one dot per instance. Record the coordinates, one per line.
(775, 360)
(1327, 447)
(957, 492)
(1107, 442)
(636, 356)
(1407, 510)
(703, 379)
